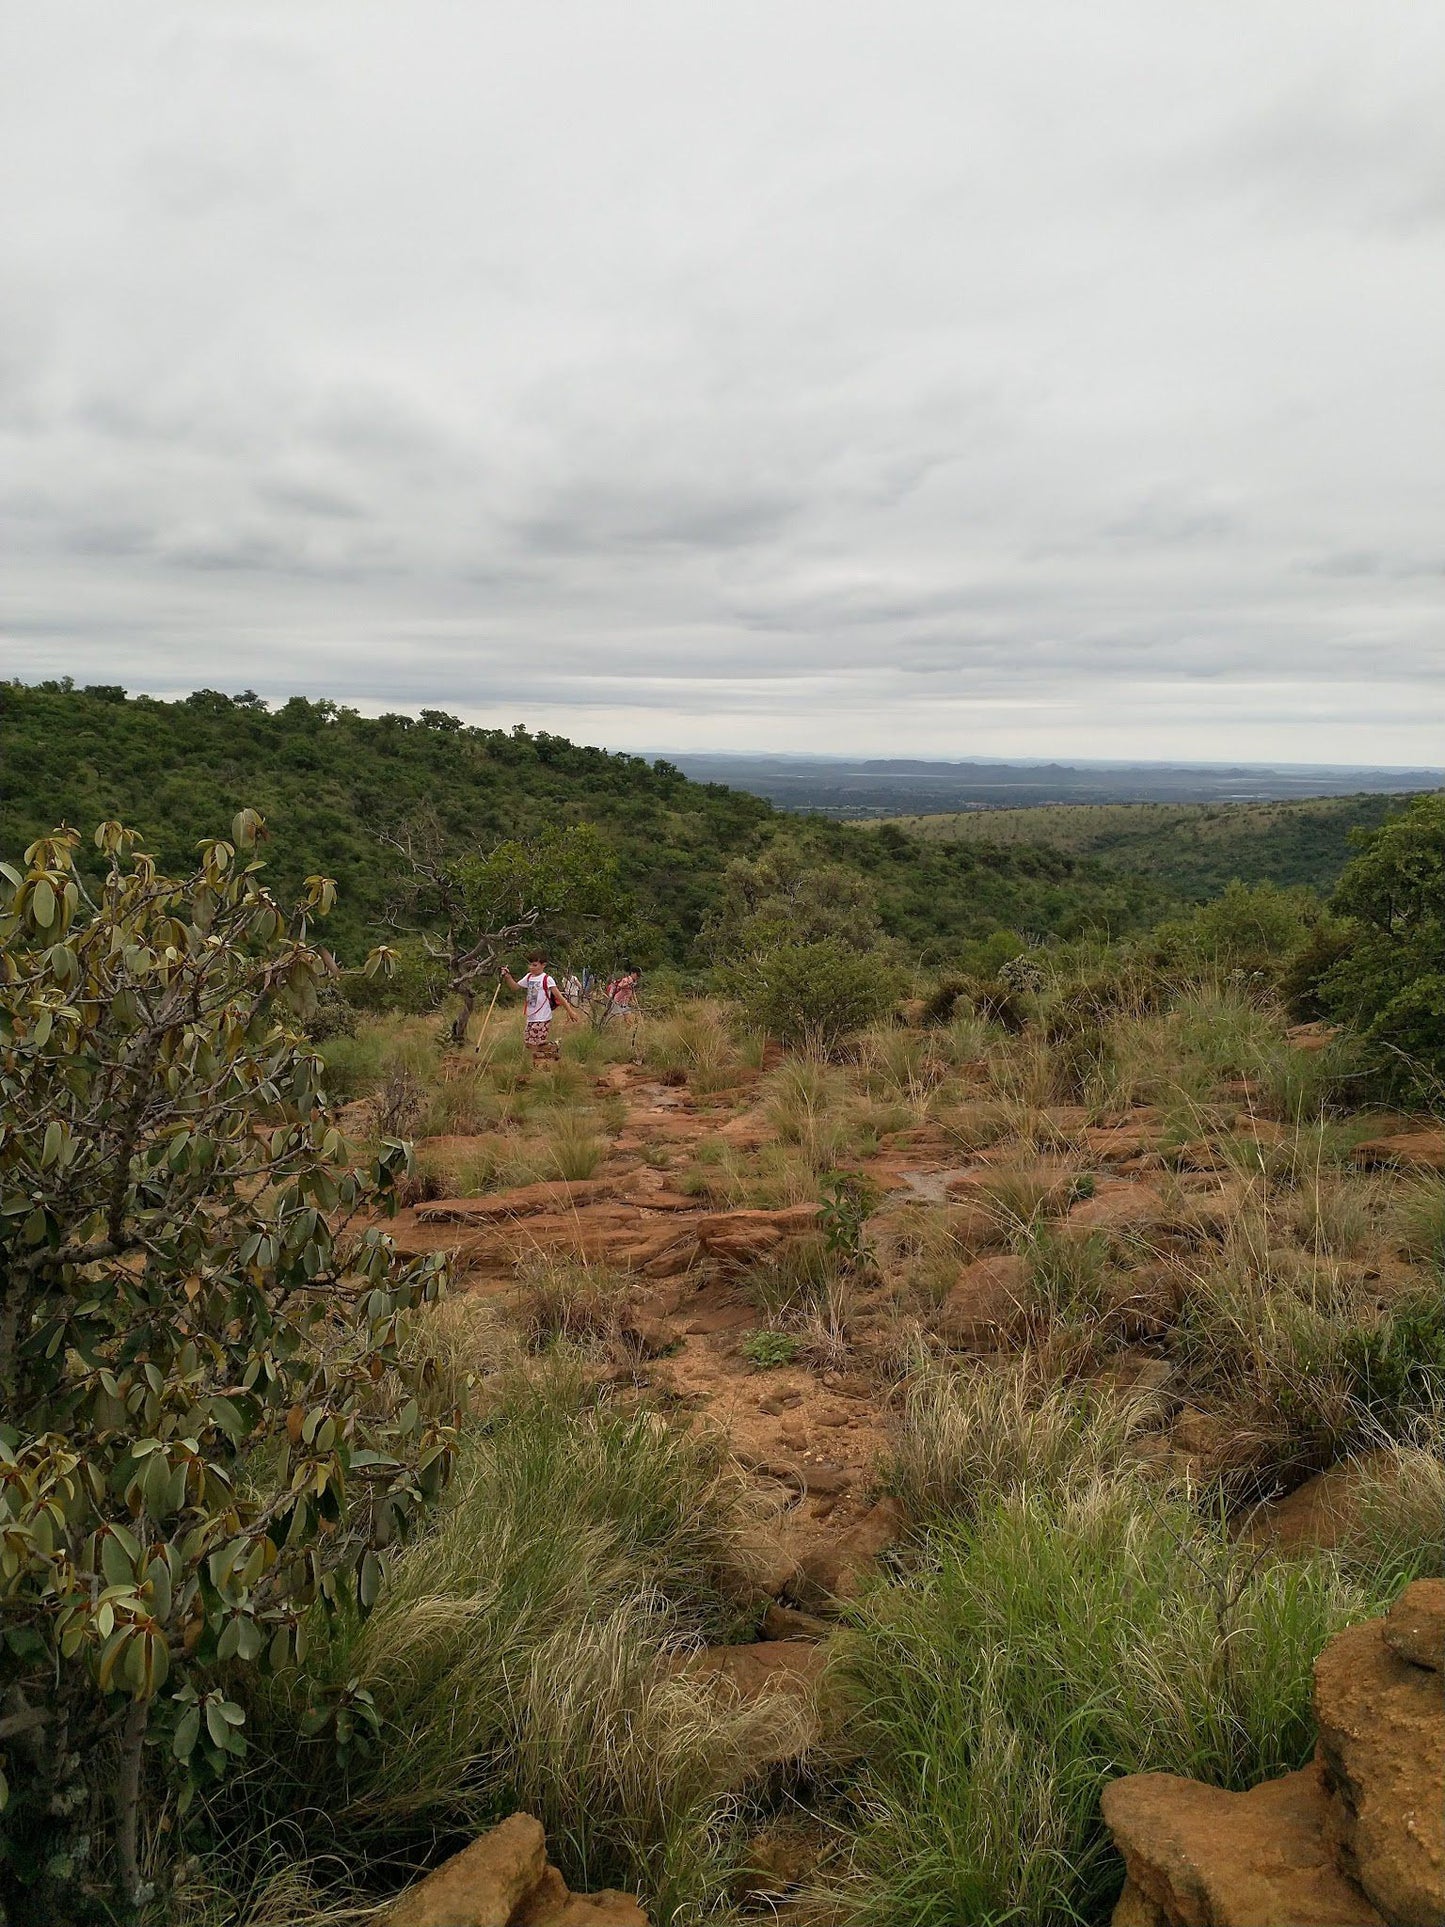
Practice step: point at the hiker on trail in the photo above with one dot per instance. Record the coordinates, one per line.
(543, 997)
(622, 994)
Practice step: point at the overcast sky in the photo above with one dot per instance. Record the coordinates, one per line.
(895, 378)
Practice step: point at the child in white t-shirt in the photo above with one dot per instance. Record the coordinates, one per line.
(543, 997)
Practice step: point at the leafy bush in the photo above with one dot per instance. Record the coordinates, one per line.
(1252, 930)
(767, 1350)
(814, 994)
(193, 1448)
(1391, 983)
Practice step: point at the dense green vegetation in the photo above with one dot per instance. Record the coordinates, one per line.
(328, 780)
(1192, 849)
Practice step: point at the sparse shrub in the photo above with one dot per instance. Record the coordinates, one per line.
(765, 1351)
(849, 1200)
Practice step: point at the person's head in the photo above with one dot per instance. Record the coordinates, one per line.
(536, 961)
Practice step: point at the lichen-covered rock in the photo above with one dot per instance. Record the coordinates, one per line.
(1198, 1856)
(1382, 1746)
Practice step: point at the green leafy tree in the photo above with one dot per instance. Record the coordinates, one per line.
(474, 910)
(781, 897)
(1390, 983)
(198, 1332)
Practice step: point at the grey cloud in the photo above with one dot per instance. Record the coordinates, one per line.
(790, 378)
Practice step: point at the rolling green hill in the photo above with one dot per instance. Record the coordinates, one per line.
(1192, 850)
(328, 780)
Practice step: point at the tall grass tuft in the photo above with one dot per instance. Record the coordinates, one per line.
(525, 1653)
(1063, 1619)
(1051, 1641)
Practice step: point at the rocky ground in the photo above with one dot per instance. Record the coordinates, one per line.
(686, 1294)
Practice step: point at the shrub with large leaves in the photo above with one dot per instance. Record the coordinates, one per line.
(201, 1434)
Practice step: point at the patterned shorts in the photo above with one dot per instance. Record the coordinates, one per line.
(539, 1039)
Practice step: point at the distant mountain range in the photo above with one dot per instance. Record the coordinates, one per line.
(894, 786)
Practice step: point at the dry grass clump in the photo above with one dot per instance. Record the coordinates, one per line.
(1396, 1525)
(904, 1066)
(1018, 1195)
(966, 1435)
(569, 1299)
(524, 1654)
(694, 1041)
(1418, 1220)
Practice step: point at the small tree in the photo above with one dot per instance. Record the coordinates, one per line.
(474, 909)
(781, 898)
(813, 994)
(197, 1322)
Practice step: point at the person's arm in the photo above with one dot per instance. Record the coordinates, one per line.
(509, 979)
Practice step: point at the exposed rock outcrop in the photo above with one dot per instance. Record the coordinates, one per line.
(1382, 1747)
(1198, 1856)
(503, 1879)
(1354, 1839)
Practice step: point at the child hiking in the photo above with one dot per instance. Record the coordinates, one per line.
(543, 997)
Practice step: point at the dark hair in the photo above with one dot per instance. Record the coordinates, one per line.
(537, 956)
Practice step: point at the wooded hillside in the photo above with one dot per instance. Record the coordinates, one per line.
(328, 780)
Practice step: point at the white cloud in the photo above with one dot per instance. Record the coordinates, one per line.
(933, 379)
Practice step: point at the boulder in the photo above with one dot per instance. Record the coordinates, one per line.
(988, 1302)
(1198, 1856)
(1415, 1624)
(503, 1880)
(1321, 1512)
(841, 1567)
(1311, 1037)
(1382, 1747)
(1119, 1205)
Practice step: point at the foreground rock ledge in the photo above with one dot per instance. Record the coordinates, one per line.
(1355, 1839)
(503, 1879)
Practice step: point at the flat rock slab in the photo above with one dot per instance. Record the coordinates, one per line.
(522, 1202)
(1117, 1204)
(1198, 1856)
(1422, 1150)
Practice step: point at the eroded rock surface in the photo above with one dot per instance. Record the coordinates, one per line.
(503, 1879)
(1358, 1836)
(1198, 1856)
(1382, 1747)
